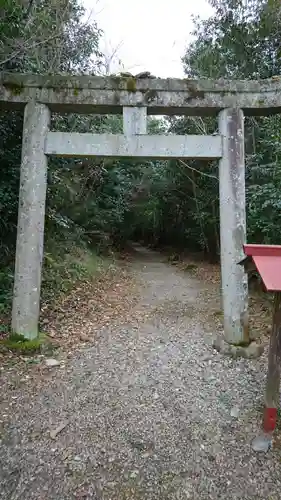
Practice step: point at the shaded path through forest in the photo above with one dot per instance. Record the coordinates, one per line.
(151, 410)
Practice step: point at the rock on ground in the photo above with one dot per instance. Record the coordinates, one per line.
(52, 362)
(149, 410)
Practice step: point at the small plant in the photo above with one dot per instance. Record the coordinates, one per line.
(218, 314)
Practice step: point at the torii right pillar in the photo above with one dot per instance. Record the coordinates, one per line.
(233, 227)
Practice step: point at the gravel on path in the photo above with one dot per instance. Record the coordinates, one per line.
(150, 411)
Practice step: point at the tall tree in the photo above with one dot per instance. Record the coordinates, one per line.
(39, 37)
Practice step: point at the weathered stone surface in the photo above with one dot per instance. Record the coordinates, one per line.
(134, 121)
(140, 146)
(84, 338)
(233, 227)
(252, 351)
(234, 412)
(87, 94)
(50, 362)
(145, 74)
(262, 443)
(31, 218)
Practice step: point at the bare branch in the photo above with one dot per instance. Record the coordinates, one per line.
(198, 171)
(28, 47)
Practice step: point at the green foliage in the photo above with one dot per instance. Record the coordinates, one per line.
(47, 37)
(180, 203)
(6, 284)
(43, 37)
(242, 40)
(53, 38)
(66, 265)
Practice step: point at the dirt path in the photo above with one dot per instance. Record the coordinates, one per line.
(152, 411)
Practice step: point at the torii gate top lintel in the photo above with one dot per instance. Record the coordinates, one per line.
(108, 95)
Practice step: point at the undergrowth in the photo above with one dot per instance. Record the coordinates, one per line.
(67, 262)
(62, 272)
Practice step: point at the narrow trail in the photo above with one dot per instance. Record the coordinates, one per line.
(152, 411)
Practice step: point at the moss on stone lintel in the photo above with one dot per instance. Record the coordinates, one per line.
(131, 84)
(14, 87)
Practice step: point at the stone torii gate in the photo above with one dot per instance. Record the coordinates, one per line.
(134, 98)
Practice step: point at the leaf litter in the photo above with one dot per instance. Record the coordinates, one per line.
(73, 323)
(260, 303)
(91, 307)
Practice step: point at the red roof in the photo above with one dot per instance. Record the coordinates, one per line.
(267, 259)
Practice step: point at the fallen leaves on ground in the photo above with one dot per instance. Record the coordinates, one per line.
(91, 307)
(260, 303)
(109, 300)
(76, 318)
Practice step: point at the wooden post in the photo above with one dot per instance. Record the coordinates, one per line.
(272, 396)
(31, 218)
(233, 227)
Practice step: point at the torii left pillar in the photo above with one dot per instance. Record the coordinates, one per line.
(31, 219)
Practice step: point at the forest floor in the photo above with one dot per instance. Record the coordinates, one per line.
(138, 406)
